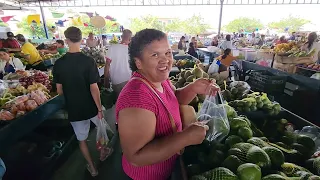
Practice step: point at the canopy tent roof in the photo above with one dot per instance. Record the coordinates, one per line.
(84, 3)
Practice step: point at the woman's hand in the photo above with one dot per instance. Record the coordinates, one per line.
(205, 87)
(196, 133)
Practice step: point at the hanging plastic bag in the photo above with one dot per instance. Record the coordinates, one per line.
(213, 68)
(102, 138)
(213, 113)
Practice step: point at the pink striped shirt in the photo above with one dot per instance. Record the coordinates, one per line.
(138, 95)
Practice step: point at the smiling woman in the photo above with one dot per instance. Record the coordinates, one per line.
(147, 110)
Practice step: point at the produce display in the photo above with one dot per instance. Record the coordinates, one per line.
(291, 49)
(185, 63)
(51, 56)
(96, 53)
(23, 92)
(265, 148)
(187, 76)
(313, 67)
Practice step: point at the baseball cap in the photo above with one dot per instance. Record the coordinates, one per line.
(10, 34)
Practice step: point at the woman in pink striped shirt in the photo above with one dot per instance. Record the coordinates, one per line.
(144, 108)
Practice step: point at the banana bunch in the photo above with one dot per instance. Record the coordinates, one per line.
(19, 90)
(6, 98)
(41, 87)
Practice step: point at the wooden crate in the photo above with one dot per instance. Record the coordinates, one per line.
(289, 68)
(293, 60)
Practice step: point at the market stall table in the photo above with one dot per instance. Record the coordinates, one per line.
(12, 131)
(206, 52)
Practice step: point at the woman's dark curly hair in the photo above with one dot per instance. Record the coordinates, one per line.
(140, 41)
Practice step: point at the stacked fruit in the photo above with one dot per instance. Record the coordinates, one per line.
(256, 101)
(38, 77)
(251, 154)
(286, 48)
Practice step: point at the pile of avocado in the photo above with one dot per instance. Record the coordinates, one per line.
(248, 153)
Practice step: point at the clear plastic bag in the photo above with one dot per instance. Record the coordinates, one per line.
(102, 138)
(213, 113)
(240, 86)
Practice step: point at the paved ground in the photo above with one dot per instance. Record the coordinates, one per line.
(74, 168)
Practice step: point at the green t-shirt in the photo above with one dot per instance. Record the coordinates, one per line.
(62, 50)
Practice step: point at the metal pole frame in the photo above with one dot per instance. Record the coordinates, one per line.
(44, 21)
(220, 17)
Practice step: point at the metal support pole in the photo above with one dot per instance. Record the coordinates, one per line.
(220, 18)
(44, 21)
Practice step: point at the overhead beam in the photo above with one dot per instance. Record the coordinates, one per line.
(95, 3)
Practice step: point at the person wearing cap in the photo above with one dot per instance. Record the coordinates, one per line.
(11, 42)
(31, 54)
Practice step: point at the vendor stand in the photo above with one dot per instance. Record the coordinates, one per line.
(206, 53)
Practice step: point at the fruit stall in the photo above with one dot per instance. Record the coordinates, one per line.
(35, 134)
(259, 139)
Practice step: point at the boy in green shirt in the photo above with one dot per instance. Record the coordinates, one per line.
(60, 48)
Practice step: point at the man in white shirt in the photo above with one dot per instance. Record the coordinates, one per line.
(117, 68)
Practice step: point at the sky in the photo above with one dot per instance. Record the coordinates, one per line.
(210, 13)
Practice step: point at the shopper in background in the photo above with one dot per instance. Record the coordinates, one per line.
(215, 41)
(91, 41)
(76, 76)
(282, 40)
(194, 41)
(9, 64)
(148, 139)
(227, 58)
(104, 41)
(117, 68)
(293, 36)
(192, 50)
(2, 169)
(182, 44)
(31, 54)
(227, 44)
(312, 44)
(11, 42)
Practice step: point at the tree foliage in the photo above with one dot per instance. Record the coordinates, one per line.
(34, 30)
(192, 25)
(245, 23)
(291, 23)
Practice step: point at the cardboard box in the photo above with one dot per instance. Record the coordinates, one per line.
(293, 60)
(289, 68)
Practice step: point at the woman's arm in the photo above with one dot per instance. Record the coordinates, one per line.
(137, 136)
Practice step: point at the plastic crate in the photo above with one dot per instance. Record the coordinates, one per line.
(266, 81)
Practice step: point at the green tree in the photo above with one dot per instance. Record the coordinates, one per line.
(3, 24)
(194, 25)
(37, 30)
(148, 21)
(292, 23)
(175, 25)
(245, 23)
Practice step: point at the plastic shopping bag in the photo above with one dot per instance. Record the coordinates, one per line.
(213, 68)
(102, 138)
(213, 113)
